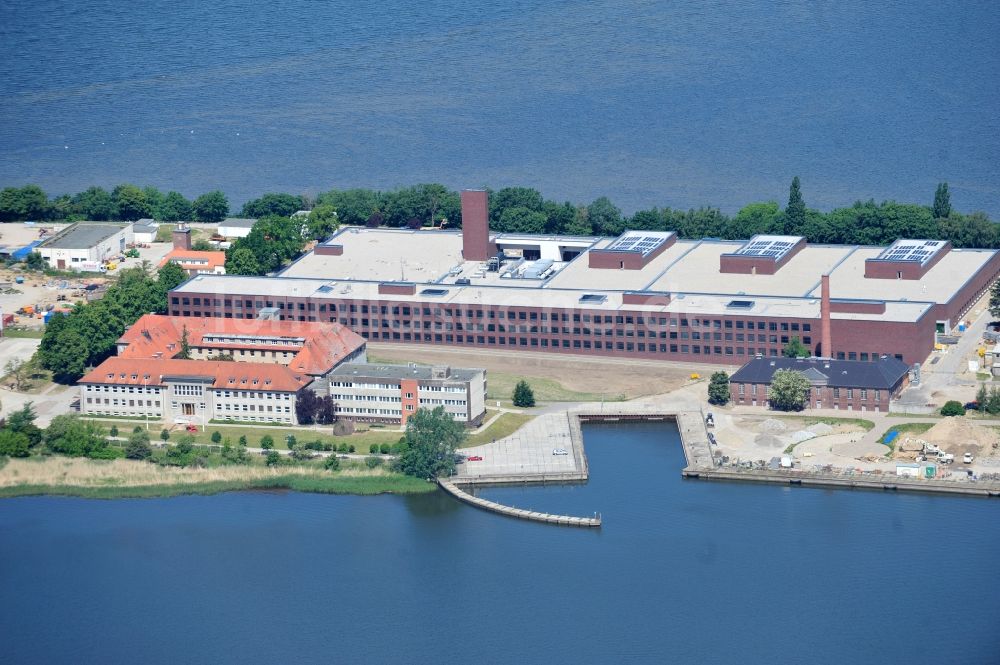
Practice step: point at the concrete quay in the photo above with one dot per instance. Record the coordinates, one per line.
(562, 520)
(846, 481)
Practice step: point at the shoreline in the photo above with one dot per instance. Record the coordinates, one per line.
(127, 479)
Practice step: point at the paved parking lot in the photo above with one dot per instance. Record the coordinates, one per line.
(527, 452)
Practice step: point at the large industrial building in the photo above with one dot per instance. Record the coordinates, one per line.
(86, 245)
(642, 295)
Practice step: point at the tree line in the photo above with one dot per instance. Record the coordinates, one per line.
(87, 335)
(125, 202)
(525, 210)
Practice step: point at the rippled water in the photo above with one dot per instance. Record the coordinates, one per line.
(682, 571)
(650, 103)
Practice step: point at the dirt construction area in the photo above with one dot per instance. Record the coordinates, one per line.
(821, 443)
(591, 377)
(956, 436)
(752, 438)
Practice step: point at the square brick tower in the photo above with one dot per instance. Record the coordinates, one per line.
(182, 237)
(476, 245)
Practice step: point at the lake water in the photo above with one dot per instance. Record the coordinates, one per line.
(682, 571)
(650, 103)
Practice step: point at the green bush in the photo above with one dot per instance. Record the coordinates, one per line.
(292, 442)
(267, 442)
(952, 408)
(216, 436)
(114, 430)
(302, 454)
(373, 449)
(331, 463)
(164, 435)
(342, 448)
(384, 448)
(136, 429)
(373, 461)
(243, 440)
(350, 448)
(273, 458)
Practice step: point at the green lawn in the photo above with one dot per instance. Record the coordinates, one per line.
(360, 440)
(806, 421)
(500, 387)
(505, 425)
(22, 333)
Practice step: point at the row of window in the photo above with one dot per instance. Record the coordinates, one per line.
(626, 346)
(229, 406)
(245, 417)
(251, 394)
(446, 402)
(402, 310)
(104, 388)
(114, 401)
(837, 392)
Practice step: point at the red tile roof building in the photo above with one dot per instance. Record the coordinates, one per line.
(147, 380)
(310, 347)
(196, 262)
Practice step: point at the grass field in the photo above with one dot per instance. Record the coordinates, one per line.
(360, 440)
(806, 421)
(500, 387)
(24, 333)
(505, 425)
(125, 478)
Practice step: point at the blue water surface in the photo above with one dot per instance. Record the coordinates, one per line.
(681, 572)
(651, 103)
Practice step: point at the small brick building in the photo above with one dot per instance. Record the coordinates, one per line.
(850, 385)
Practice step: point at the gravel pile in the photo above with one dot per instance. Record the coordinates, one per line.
(820, 429)
(772, 425)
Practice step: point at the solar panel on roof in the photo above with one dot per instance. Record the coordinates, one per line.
(918, 251)
(637, 241)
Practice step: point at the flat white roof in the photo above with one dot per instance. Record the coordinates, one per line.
(689, 270)
(384, 255)
(939, 284)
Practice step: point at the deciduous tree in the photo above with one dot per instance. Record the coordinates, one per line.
(796, 349)
(211, 207)
(432, 438)
(788, 390)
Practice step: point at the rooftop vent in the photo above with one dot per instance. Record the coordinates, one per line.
(434, 293)
(593, 298)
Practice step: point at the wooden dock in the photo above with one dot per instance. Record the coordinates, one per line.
(492, 506)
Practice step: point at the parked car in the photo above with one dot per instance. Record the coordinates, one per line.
(968, 458)
(559, 451)
(474, 458)
(971, 406)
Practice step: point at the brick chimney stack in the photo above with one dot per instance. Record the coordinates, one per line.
(182, 237)
(824, 314)
(476, 245)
